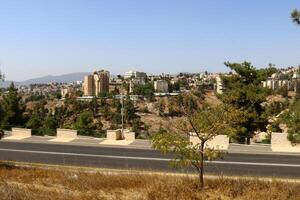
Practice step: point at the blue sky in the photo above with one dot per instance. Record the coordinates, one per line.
(42, 37)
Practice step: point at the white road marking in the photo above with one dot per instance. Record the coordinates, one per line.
(146, 158)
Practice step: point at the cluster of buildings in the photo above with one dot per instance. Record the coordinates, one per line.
(288, 79)
(42, 89)
(101, 82)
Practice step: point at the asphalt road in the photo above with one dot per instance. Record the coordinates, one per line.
(284, 166)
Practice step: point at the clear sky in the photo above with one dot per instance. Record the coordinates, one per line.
(42, 37)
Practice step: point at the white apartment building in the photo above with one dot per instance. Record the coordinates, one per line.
(135, 74)
(161, 86)
(219, 85)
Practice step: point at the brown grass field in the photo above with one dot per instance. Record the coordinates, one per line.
(34, 183)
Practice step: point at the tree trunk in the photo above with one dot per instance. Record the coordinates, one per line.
(248, 140)
(201, 179)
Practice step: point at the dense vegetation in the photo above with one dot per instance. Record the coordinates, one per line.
(84, 116)
(245, 92)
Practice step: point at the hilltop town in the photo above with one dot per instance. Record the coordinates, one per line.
(152, 99)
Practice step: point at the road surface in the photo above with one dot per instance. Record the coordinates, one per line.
(266, 165)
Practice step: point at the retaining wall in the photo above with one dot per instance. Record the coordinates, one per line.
(280, 143)
(219, 142)
(66, 133)
(113, 135)
(21, 132)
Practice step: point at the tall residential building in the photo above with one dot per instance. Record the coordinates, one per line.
(101, 81)
(88, 85)
(96, 83)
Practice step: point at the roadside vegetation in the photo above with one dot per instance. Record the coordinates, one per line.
(46, 184)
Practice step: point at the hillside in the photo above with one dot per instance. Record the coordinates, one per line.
(65, 78)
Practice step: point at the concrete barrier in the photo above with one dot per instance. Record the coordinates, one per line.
(280, 143)
(113, 135)
(219, 142)
(65, 135)
(130, 136)
(19, 134)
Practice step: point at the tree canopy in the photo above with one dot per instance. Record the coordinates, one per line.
(295, 15)
(292, 119)
(13, 108)
(84, 123)
(146, 90)
(244, 91)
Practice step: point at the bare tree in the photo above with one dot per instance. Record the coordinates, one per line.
(204, 124)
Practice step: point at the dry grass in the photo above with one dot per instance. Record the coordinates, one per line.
(44, 184)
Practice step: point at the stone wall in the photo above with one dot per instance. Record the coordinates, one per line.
(21, 132)
(66, 133)
(130, 136)
(113, 135)
(280, 143)
(219, 142)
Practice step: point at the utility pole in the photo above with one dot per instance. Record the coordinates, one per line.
(122, 112)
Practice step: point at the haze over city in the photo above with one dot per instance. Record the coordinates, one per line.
(58, 37)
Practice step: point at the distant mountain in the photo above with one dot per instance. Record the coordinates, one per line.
(65, 78)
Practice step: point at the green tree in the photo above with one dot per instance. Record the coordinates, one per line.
(105, 109)
(295, 15)
(292, 119)
(79, 93)
(58, 95)
(129, 110)
(34, 123)
(136, 126)
(84, 124)
(205, 124)
(94, 106)
(37, 116)
(116, 118)
(245, 92)
(49, 125)
(13, 108)
(1, 109)
(2, 113)
(146, 90)
(274, 108)
(60, 115)
(50, 122)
